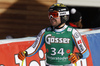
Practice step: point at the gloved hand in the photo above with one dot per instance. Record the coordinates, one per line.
(74, 57)
(22, 55)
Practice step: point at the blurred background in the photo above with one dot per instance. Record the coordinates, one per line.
(23, 18)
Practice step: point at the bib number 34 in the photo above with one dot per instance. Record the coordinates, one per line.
(60, 51)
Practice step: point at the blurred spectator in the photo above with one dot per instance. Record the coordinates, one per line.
(75, 18)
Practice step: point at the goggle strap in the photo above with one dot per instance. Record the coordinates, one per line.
(63, 13)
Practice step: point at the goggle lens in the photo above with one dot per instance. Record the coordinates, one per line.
(54, 14)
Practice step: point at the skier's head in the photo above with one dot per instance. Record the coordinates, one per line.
(59, 10)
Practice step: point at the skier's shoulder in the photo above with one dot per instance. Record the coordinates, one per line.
(50, 28)
(70, 29)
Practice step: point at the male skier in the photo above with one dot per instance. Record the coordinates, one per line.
(60, 40)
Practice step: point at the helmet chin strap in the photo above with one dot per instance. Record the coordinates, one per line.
(61, 26)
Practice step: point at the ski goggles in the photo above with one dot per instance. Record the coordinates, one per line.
(56, 14)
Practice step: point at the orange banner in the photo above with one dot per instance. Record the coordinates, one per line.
(9, 55)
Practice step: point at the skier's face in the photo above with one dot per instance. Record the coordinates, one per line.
(55, 21)
(54, 18)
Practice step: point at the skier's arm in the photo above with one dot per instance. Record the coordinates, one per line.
(34, 48)
(79, 43)
(37, 44)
